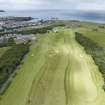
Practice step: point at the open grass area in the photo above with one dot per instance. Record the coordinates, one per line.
(98, 37)
(3, 50)
(57, 71)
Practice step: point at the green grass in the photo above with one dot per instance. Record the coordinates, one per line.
(57, 71)
(3, 50)
(98, 37)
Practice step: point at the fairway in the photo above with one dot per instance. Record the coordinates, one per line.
(57, 71)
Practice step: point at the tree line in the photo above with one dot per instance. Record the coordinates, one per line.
(39, 30)
(7, 42)
(10, 60)
(97, 52)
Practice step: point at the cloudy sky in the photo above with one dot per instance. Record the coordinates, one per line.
(52, 4)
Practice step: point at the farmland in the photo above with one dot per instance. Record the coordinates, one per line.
(57, 71)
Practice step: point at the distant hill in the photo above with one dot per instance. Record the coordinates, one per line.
(2, 11)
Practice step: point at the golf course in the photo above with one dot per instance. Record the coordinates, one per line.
(56, 71)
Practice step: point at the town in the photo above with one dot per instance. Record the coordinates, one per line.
(10, 26)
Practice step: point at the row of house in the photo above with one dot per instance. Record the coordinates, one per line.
(19, 38)
(19, 24)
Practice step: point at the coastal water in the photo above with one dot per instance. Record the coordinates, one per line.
(94, 16)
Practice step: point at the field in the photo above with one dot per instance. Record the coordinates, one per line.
(3, 50)
(98, 37)
(57, 71)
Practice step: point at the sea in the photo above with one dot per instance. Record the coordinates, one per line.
(82, 15)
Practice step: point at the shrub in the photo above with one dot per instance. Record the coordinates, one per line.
(10, 60)
(97, 52)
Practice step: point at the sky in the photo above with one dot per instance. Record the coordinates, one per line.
(52, 4)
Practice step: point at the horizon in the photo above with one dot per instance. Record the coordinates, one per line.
(73, 10)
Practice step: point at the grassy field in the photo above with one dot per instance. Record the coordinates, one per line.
(57, 71)
(98, 37)
(3, 50)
